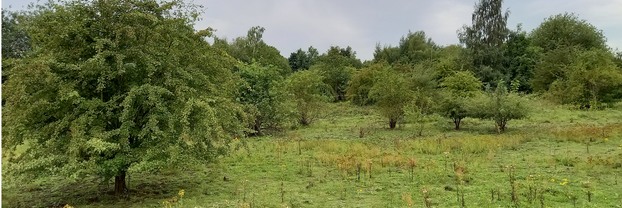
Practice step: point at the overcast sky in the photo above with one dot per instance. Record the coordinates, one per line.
(361, 24)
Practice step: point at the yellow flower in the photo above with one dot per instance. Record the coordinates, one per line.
(181, 193)
(564, 182)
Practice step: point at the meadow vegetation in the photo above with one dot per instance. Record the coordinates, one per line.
(558, 157)
(124, 103)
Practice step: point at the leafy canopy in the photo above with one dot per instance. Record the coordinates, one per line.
(114, 85)
(309, 94)
(456, 92)
(500, 106)
(261, 93)
(391, 92)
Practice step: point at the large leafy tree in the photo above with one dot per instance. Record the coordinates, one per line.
(484, 39)
(117, 85)
(567, 30)
(576, 66)
(561, 38)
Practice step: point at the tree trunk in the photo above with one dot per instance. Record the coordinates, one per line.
(304, 120)
(257, 127)
(501, 126)
(392, 123)
(457, 123)
(120, 187)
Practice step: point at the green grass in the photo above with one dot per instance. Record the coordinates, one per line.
(350, 158)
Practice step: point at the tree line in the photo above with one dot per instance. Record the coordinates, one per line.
(99, 87)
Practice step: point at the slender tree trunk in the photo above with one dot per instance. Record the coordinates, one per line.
(502, 127)
(457, 123)
(257, 127)
(120, 186)
(304, 120)
(392, 123)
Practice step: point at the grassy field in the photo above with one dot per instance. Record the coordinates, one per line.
(558, 157)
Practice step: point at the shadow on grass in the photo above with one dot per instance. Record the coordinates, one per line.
(58, 191)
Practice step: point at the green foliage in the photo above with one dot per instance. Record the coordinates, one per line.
(15, 40)
(252, 49)
(420, 109)
(337, 66)
(552, 66)
(519, 59)
(576, 66)
(302, 60)
(567, 30)
(391, 92)
(361, 83)
(416, 47)
(590, 79)
(484, 39)
(457, 90)
(345, 56)
(263, 97)
(462, 83)
(412, 49)
(309, 94)
(618, 59)
(387, 53)
(114, 85)
(422, 77)
(451, 59)
(499, 105)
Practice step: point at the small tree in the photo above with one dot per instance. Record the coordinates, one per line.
(499, 105)
(391, 93)
(309, 94)
(264, 101)
(419, 110)
(457, 89)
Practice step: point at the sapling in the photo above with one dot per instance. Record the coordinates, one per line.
(412, 163)
(282, 192)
